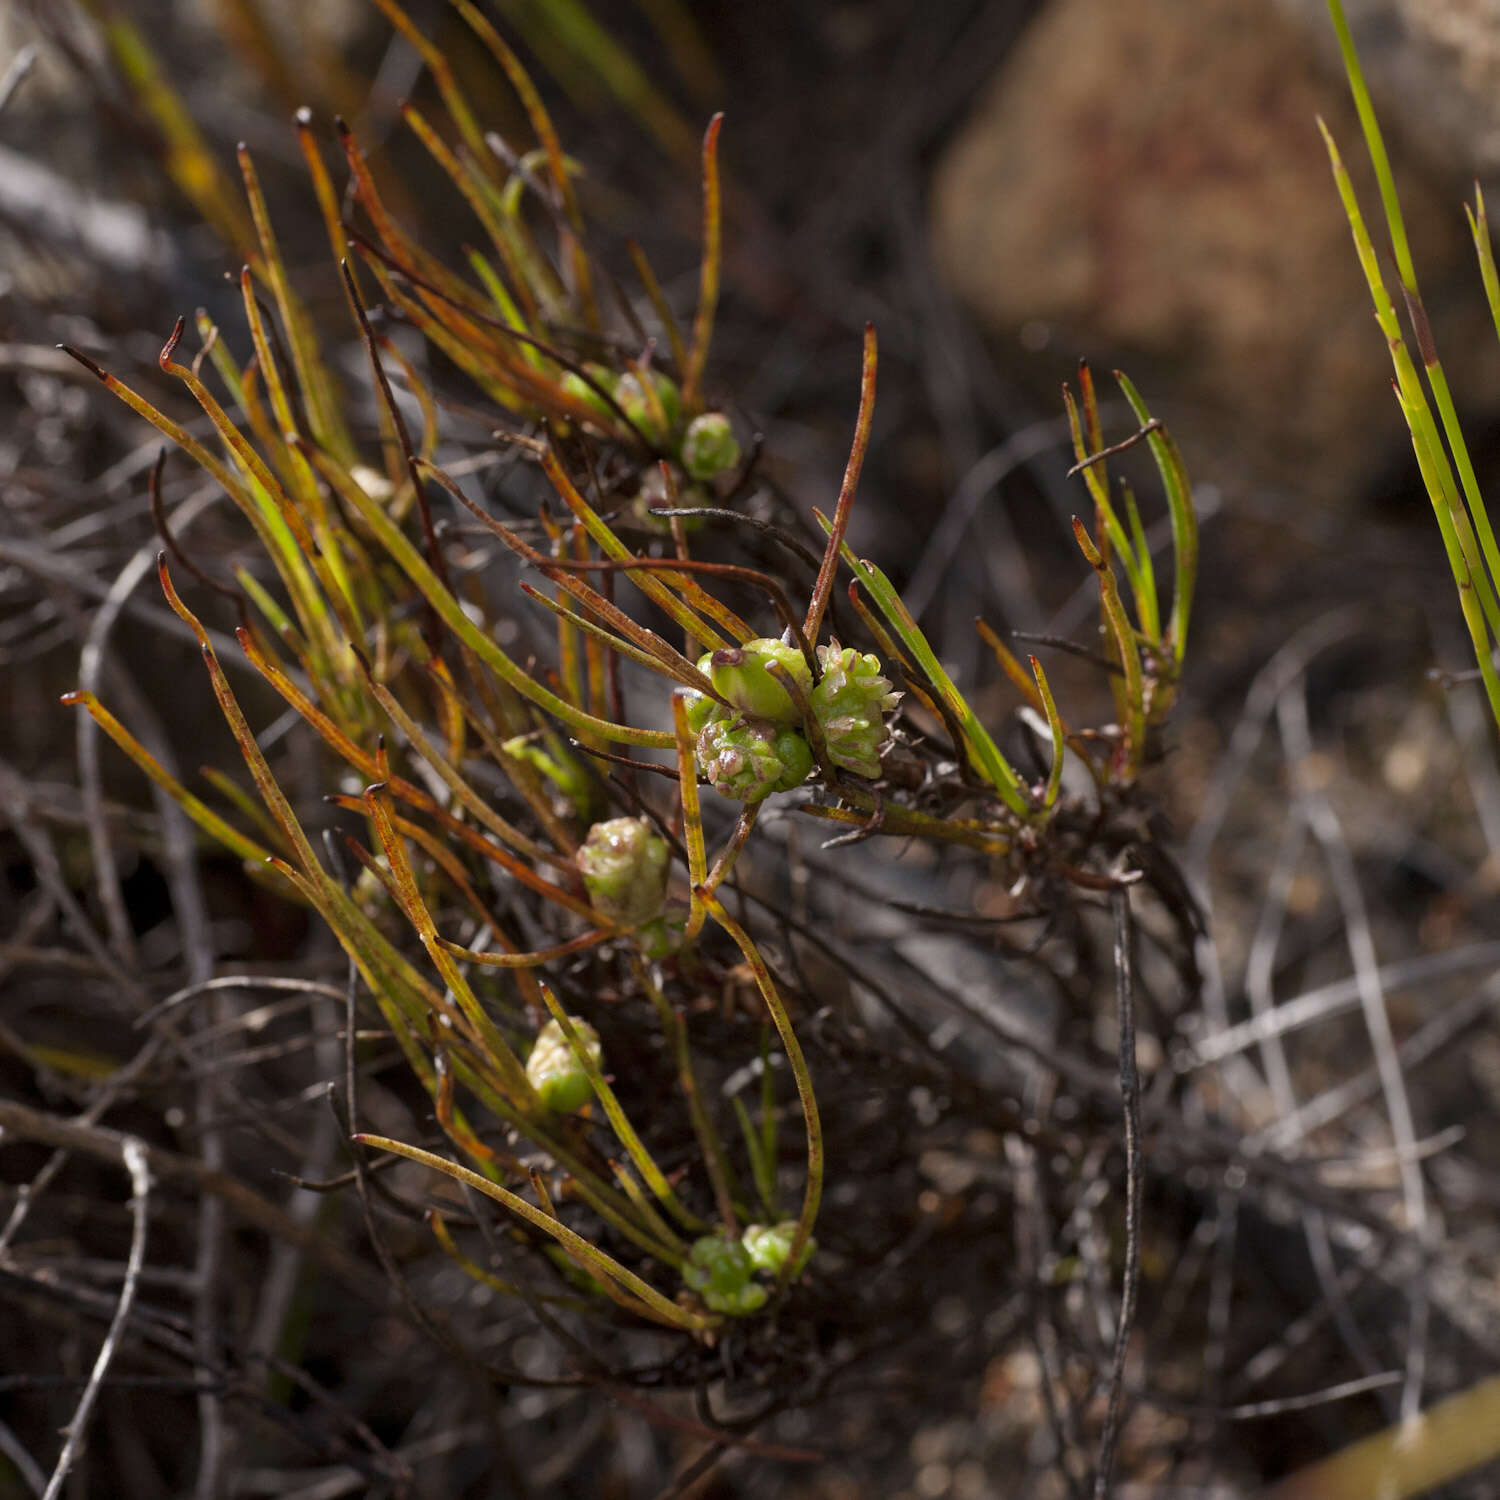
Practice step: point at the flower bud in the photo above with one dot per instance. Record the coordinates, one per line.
(701, 709)
(739, 675)
(580, 389)
(851, 701)
(768, 1246)
(653, 494)
(748, 759)
(624, 866)
(708, 446)
(719, 1270)
(663, 936)
(657, 419)
(555, 1073)
(796, 758)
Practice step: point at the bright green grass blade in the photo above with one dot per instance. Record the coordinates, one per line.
(602, 1265)
(1479, 227)
(1437, 470)
(1375, 144)
(1183, 516)
(406, 556)
(619, 1122)
(983, 752)
(1113, 610)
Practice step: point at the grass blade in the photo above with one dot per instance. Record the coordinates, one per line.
(598, 1263)
(813, 1192)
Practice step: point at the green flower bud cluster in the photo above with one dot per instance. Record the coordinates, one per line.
(624, 866)
(663, 936)
(709, 447)
(624, 863)
(656, 411)
(555, 1073)
(750, 748)
(589, 394)
(748, 759)
(706, 448)
(851, 701)
(722, 1270)
(768, 1246)
(760, 749)
(739, 676)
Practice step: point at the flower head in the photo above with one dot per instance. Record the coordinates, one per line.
(748, 759)
(720, 1271)
(709, 447)
(851, 701)
(556, 1073)
(624, 866)
(739, 676)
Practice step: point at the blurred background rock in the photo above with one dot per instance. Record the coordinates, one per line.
(1144, 177)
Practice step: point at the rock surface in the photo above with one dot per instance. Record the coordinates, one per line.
(1146, 177)
(1434, 66)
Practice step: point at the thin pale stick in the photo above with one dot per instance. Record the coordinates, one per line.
(133, 1154)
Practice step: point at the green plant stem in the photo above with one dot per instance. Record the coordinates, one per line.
(1055, 726)
(590, 1256)
(692, 813)
(715, 1158)
(619, 1122)
(813, 1192)
(708, 282)
(828, 568)
(1181, 513)
(1125, 645)
(982, 751)
(452, 614)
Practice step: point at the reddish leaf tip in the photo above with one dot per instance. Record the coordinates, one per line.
(164, 359)
(85, 361)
